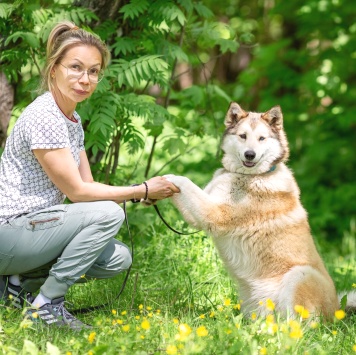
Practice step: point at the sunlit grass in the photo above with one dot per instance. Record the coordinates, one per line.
(180, 300)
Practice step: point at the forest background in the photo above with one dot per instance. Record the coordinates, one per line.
(176, 66)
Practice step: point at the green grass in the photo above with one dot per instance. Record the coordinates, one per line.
(180, 300)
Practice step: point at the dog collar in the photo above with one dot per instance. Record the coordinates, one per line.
(273, 168)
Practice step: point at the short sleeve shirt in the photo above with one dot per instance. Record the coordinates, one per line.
(24, 185)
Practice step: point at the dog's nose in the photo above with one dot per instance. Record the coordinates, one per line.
(250, 155)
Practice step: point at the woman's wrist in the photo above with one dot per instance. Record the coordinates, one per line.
(139, 191)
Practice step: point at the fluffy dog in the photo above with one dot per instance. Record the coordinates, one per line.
(252, 210)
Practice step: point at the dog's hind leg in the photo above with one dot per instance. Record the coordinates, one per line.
(305, 286)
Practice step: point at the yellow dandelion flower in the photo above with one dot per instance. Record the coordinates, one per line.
(137, 317)
(296, 333)
(158, 311)
(34, 315)
(113, 322)
(113, 311)
(228, 331)
(171, 350)
(220, 308)
(202, 331)
(212, 315)
(274, 328)
(150, 314)
(142, 337)
(90, 352)
(253, 316)
(123, 313)
(354, 348)
(227, 302)
(260, 303)
(91, 337)
(149, 308)
(303, 312)
(263, 351)
(340, 314)
(138, 328)
(354, 285)
(68, 353)
(175, 321)
(126, 328)
(202, 316)
(334, 332)
(140, 306)
(119, 321)
(145, 325)
(184, 329)
(237, 306)
(314, 325)
(270, 319)
(237, 325)
(270, 304)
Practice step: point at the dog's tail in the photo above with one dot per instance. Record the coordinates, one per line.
(348, 301)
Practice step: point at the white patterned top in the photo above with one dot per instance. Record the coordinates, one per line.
(24, 186)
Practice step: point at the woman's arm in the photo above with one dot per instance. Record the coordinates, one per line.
(77, 184)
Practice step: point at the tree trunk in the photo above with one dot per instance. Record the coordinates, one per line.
(6, 105)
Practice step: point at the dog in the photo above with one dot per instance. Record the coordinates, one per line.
(252, 210)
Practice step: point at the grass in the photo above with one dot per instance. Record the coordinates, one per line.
(179, 300)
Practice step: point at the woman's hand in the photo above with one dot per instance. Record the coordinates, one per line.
(159, 188)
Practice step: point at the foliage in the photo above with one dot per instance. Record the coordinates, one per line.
(177, 64)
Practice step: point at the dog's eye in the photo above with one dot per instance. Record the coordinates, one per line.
(243, 136)
(262, 138)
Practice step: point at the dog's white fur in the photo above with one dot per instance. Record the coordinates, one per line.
(256, 219)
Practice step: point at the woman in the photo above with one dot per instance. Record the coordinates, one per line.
(43, 242)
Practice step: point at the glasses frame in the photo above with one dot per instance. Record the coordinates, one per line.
(82, 73)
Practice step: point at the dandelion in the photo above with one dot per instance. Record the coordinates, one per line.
(228, 331)
(237, 325)
(314, 325)
(227, 302)
(142, 337)
(303, 312)
(149, 308)
(123, 313)
(158, 311)
(354, 348)
(140, 306)
(126, 328)
(253, 316)
(113, 311)
(270, 319)
(171, 350)
(90, 352)
(150, 315)
(354, 285)
(340, 314)
(202, 316)
(184, 331)
(296, 332)
(270, 304)
(237, 306)
(145, 325)
(202, 331)
(334, 332)
(260, 303)
(68, 353)
(263, 351)
(34, 315)
(91, 337)
(120, 321)
(175, 321)
(113, 322)
(137, 317)
(212, 315)
(220, 308)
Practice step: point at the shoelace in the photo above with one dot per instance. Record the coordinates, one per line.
(65, 313)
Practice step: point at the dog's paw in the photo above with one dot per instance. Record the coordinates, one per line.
(179, 181)
(147, 203)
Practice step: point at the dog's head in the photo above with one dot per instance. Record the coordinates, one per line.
(253, 142)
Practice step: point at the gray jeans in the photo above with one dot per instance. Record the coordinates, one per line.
(55, 247)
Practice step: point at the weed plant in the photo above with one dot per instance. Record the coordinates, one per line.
(180, 300)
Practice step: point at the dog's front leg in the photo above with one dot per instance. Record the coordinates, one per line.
(193, 203)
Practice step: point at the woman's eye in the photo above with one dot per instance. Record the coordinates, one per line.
(94, 71)
(262, 138)
(243, 136)
(76, 67)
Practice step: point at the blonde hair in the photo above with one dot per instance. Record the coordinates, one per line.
(64, 36)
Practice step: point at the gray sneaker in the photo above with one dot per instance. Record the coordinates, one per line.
(55, 313)
(13, 295)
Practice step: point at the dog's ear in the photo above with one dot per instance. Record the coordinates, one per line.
(234, 114)
(274, 118)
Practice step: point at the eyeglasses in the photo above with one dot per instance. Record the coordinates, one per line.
(75, 71)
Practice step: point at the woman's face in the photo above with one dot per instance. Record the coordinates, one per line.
(76, 60)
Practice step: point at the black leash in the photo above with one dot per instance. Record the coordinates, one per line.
(172, 229)
(93, 308)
